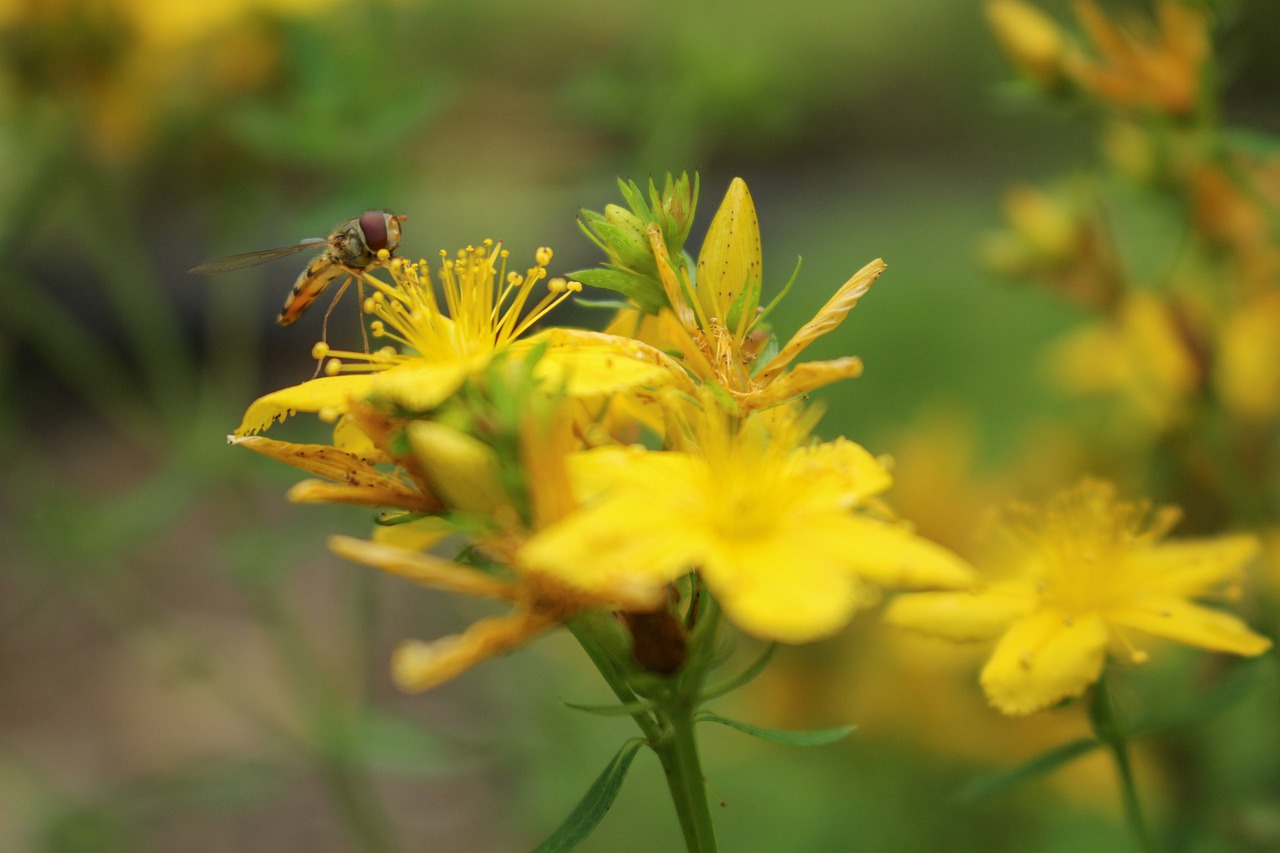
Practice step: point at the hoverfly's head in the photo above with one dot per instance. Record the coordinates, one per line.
(381, 230)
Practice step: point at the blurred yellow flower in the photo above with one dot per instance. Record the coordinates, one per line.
(777, 528)
(1143, 68)
(1140, 354)
(1248, 364)
(1076, 578)
(1032, 40)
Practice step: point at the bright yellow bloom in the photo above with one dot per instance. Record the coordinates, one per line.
(487, 313)
(772, 524)
(1078, 577)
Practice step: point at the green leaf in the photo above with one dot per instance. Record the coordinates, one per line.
(607, 304)
(646, 293)
(997, 783)
(612, 710)
(748, 675)
(591, 809)
(817, 738)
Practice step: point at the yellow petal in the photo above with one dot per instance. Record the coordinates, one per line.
(892, 556)
(591, 364)
(961, 616)
(328, 392)
(1192, 567)
(806, 377)
(1176, 619)
(421, 534)
(828, 318)
(418, 385)
(324, 461)
(1044, 658)
(348, 436)
(774, 591)
(391, 493)
(417, 666)
(862, 475)
(423, 569)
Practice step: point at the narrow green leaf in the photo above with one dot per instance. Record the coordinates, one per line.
(817, 738)
(748, 675)
(591, 809)
(609, 304)
(612, 710)
(782, 294)
(997, 783)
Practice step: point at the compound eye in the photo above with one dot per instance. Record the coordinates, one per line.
(374, 227)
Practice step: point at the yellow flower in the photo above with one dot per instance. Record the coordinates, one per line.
(539, 599)
(1078, 577)
(773, 525)
(1143, 69)
(1142, 355)
(1031, 39)
(488, 313)
(715, 324)
(1248, 364)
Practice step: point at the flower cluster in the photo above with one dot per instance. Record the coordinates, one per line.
(662, 470)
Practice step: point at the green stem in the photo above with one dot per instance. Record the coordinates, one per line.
(668, 728)
(1109, 728)
(678, 752)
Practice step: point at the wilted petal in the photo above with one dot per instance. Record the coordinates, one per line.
(827, 319)
(417, 666)
(424, 569)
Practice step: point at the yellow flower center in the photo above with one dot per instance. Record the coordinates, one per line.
(485, 308)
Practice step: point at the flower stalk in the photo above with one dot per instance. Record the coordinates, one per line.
(1109, 727)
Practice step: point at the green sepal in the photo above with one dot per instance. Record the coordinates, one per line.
(1042, 765)
(815, 738)
(591, 809)
(646, 293)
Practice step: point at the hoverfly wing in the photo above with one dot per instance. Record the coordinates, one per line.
(252, 259)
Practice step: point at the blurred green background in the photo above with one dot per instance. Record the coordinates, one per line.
(182, 663)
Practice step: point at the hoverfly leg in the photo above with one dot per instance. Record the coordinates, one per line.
(364, 329)
(324, 324)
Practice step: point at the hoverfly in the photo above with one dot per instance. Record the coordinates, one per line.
(351, 249)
